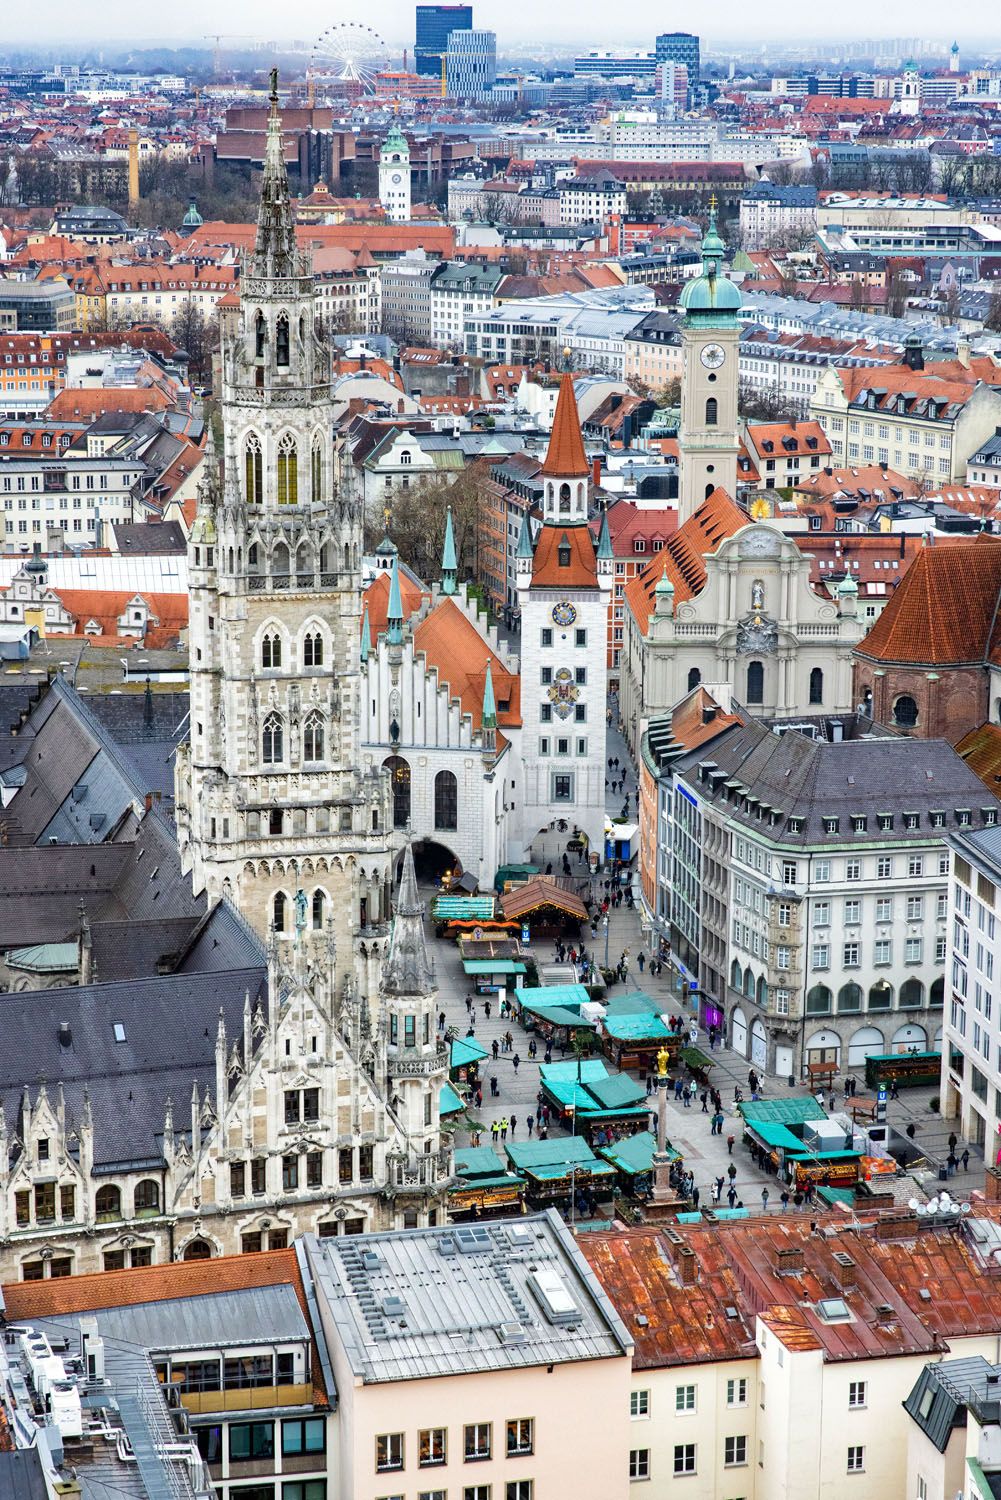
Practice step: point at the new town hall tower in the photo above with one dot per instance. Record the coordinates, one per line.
(272, 809)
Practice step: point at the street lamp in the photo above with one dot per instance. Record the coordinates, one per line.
(606, 939)
(572, 1111)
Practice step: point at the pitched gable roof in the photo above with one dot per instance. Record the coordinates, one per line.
(452, 645)
(580, 573)
(683, 559)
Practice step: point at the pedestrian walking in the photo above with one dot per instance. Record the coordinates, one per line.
(731, 1195)
(486, 1009)
(953, 1140)
(704, 1096)
(686, 1098)
(494, 1131)
(894, 1091)
(495, 1047)
(469, 1003)
(641, 960)
(532, 1048)
(514, 1122)
(784, 1199)
(678, 1086)
(965, 1159)
(695, 1197)
(515, 1061)
(764, 1190)
(729, 1149)
(693, 1089)
(494, 1090)
(503, 1128)
(441, 1020)
(530, 1121)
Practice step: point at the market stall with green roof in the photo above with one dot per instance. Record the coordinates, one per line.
(603, 1106)
(483, 1185)
(795, 1137)
(554, 1169)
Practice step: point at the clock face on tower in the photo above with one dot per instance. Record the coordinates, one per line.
(564, 613)
(396, 177)
(712, 356)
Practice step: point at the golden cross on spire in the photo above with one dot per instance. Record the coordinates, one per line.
(712, 203)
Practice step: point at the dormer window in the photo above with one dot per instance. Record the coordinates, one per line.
(563, 554)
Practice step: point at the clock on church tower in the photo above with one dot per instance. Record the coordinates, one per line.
(710, 334)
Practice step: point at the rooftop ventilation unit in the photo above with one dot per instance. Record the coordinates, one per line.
(446, 1245)
(513, 1333)
(394, 1307)
(520, 1237)
(371, 1260)
(472, 1241)
(553, 1296)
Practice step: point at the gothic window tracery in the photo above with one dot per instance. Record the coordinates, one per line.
(273, 740)
(312, 649)
(271, 650)
(317, 474)
(288, 471)
(312, 737)
(253, 470)
(282, 341)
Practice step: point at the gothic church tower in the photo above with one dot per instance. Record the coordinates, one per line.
(272, 809)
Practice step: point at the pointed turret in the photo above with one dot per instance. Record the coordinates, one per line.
(394, 615)
(148, 707)
(449, 561)
(489, 721)
(366, 636)
(408, 970)
(605, 552)
(525, 548)
(565, 457)
(275, 249)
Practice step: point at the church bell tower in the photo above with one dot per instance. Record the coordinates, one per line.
(710, 337)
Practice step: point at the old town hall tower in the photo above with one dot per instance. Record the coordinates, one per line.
(272, 809)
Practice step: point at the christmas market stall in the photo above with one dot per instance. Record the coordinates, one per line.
(797, 1139)
(475, 917)
(631, 1038)
(555, 1011)
(560, 1169)
(483, 1186)
(546, 908)
(632, 1158)
(465, 1056)
(603, 1106)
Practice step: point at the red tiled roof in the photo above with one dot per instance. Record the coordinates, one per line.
(82, 403)
(981, 749)
(453, 646)
(945, 611)
(582, 571)
(565, 456)
(683, 559)
(376, 600)
(807, 437)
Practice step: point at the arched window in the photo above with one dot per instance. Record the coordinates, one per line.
(406, 457)
(279, 911)
(694, 678)
(850, 998)
(736, 975)
(564, 499)
(446, 800)
(316, 460)
(271, 651)
(905, 712)
(198, 1250)
(712, 412)
(281, 560)
(281, 342)
(259, 336)
(399, 780)
(749, 983)
(936, 994)
(816, 686)
(312, 649)
(108, 1203)
(755, 682)
(912, 994)
(818, 1000)
(147, 1196)
(273, 740)
(288, 471)
(312, 737)
(880, 995)
(253, 471)
(762, 994)
(318, 911)
(709, 490)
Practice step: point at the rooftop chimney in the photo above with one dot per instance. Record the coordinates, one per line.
(688, 1270)
(845, 1270)
(790, 1261)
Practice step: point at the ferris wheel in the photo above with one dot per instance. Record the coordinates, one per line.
(347, 58)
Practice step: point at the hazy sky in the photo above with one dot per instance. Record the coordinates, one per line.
(564, 21)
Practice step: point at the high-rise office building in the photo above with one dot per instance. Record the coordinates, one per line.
(471, 66)
(435, 24)
(680, 47)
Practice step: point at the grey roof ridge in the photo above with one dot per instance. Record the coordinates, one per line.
(73, 700)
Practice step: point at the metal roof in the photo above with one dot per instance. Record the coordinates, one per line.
(219, 1320)
(451, 1301)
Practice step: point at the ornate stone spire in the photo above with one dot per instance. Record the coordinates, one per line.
(275, 250)
(366, 636)
(408, 969)
(449, 561)
(394, 615)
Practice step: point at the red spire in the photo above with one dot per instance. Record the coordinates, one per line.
(566, 458)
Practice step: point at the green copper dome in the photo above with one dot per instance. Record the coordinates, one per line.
(711, 294)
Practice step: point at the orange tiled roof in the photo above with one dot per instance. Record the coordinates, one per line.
(944, 610)
(981, 749)
(452, 645)
(565, 457)
(689, 725)
(84, 402)
(582, 572)
(808, 437)
(376, 600)
(683, 559)
(168, 615)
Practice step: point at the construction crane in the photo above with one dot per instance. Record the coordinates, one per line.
(218, 37)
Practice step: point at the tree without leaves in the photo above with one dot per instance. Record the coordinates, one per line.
(417, 522)
(765, 406)
(992, 322)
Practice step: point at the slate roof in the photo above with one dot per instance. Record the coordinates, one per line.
(170, 1031)
(796, 776)
(949, 1385)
